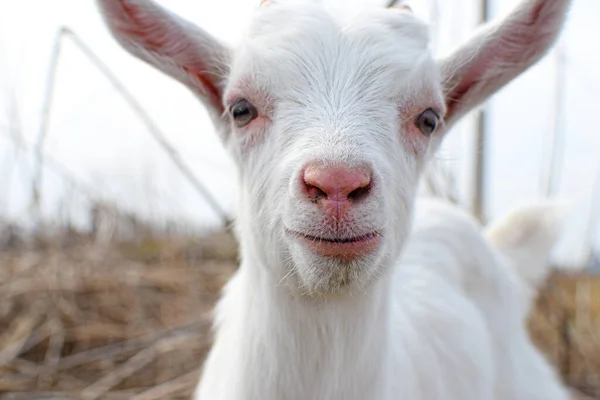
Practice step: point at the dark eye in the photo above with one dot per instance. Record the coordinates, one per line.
(427, 122)
(243, 113)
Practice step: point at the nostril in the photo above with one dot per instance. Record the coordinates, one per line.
(359, 194)
(314, 193)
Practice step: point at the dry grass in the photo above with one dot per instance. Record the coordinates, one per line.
(130, 320)
(127, 321)
(566, 325)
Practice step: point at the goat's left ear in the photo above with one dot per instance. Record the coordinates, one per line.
(173, 45)
(498, 53)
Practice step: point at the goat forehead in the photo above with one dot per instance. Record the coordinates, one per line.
(296, 47)
(293, 17)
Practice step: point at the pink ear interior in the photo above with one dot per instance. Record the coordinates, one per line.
(168, 43)
(503, 53)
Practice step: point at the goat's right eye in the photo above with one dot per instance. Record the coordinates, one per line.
(243, 112)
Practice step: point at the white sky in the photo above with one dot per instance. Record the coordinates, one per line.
(100, 141)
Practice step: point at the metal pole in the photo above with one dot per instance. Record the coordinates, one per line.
(551, 171)
(151, 126)
(592, 228)
(44, 123)
(479, 167)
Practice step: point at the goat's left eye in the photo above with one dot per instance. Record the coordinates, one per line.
(243, 112)
(427, 121)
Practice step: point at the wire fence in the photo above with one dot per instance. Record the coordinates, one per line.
(151, 127)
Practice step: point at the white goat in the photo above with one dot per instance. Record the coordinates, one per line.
(338, 295)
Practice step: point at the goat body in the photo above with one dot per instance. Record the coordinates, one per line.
(339, 294)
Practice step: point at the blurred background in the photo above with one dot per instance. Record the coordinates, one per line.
(114, 192)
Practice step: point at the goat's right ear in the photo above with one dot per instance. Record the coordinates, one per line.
(173, 45)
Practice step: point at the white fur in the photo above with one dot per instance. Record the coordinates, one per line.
(436, 312)
(446, 323)
(526, 237)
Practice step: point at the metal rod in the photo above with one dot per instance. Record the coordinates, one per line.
(151, 126)
(480, 162)
(44, 123)
(550, 179)
(592, 229)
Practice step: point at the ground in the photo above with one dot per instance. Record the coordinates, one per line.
(87, 319)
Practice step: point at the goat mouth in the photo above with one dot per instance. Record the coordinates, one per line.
(345, 249)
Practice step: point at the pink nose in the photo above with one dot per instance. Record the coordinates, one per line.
(336, 188)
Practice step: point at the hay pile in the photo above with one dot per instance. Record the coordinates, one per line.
(127, 321)
(87, 320)
(566, 325)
